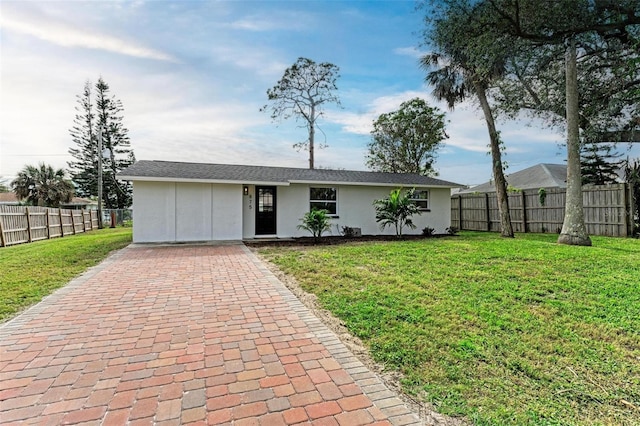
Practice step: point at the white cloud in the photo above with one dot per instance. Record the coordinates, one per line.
(409, 51)
(253, 24)
(65, 35)
(466, 126)
(266, 20)
(257, 60)
(362, 123)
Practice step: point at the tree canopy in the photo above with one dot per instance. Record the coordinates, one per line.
(43, 186)
(608, 77)
(302, 92)
(597, 37)
(572, 62)
(406, 140)
(600, 164)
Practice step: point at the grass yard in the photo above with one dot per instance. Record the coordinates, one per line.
(30, 272)
(503, 331)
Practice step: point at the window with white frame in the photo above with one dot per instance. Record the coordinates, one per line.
(420, 198)
(324, 199)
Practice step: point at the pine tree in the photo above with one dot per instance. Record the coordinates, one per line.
(84, 169)
(302, 92)
(598, 164)
(105, 114)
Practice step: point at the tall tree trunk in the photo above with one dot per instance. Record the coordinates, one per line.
(496, 160)
(574, 231)
(312, 134)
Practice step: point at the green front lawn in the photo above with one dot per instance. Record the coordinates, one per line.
(502, 331)
(29, 272)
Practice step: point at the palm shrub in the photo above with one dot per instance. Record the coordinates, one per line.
(315, 221)
(397, 210)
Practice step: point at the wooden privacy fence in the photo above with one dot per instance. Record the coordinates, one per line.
(19, 224)
(608, 210)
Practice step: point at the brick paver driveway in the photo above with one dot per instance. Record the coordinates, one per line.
(183, 334)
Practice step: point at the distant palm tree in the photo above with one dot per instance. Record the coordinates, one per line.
(43, 186)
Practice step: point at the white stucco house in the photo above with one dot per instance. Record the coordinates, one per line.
(182, 202)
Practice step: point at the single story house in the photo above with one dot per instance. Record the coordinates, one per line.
(539, 176)
(181, 202)
(79, 203)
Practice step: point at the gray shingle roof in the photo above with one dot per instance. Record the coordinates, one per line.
(534, 177)
(170, 170)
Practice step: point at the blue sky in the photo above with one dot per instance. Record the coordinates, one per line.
(192, 76)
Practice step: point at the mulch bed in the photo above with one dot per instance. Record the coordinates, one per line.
(333, 240)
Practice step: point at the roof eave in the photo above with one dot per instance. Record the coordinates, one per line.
(194, 180)
(277, 183)
(391, 184)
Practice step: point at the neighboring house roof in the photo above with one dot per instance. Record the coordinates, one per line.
(538, 176)
(12, 199)
(263, 175)
(9, 198)
(79, 201)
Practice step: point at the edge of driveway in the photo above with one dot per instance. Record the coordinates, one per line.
(29, 313)
(382, 397)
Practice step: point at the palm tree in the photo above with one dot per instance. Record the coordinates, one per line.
(456, 77)
(43, 186)
(454, 83)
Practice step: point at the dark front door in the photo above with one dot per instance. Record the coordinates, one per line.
(265, 210)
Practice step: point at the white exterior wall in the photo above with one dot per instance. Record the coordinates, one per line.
(154, 212)
(193, 212)
(355, 209)
(227, 212)
(181, 212)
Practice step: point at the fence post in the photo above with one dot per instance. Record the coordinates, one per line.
(28, 225)
(631, 202)
(460, 212)
(61, 223)
(2, 241)
(486, 208)
(84, 222)
(524, 211)
(73, 223)
(47, 223)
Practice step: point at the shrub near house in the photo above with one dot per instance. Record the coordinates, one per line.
(397, 210)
